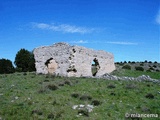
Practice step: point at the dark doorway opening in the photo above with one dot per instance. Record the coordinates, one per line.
(95, 66)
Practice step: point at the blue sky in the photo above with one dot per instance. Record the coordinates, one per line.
(130, 29)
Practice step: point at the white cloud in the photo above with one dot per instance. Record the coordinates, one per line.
(63, 28)
(104, 42)
(80, 41)
(158, 17)
(41, 25)
(122, 43)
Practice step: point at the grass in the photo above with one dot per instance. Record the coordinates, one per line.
(133, 73)
(40, 97)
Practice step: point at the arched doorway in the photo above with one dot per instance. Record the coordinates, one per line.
(95, 66)
(51, 65)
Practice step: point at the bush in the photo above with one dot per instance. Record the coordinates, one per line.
(121, 63)
(150, 62)
(131, 86)
(148, 70)
(61, 84)
(75, 95)
(125, 61)
(25, 61)
(151, 68)
(38, 112)
(139, 68)
(52, 87)
(145, 61)
(51, 116)
(111, 86)
(133, 62)
(113, 93)
(154, 66)
(83, 112)
(117, 63)
(157, 70)
(6, 66)
(67, 82)
(126, 67)
(141, 64)
(96, 102)
(155, 62)
(150, 96)
(85, 97)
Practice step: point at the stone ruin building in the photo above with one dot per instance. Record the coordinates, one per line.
(66, 60)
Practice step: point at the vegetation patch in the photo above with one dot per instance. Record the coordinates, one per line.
(131, 86)
(111, 86)
(75, 95)
(67, 82)
(85, 97)
(51, 116)
(38, 112)
(95, 102)
(83, 112)
(150, 96)
(52, 87)
(139, 68)
(126, 67)
(22, 97)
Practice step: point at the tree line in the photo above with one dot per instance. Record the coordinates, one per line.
(24, 61)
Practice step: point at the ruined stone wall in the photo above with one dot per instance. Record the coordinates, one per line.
(84, 58)
(58, 52)
(66, 60)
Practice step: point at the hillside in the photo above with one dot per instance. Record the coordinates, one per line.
(135, 69)
(27, 96)
(139, 66)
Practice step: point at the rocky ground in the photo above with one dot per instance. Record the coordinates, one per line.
(135, 71)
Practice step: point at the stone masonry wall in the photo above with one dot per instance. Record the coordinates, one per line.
(66, 60)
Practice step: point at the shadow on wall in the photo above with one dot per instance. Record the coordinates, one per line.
(95, 66)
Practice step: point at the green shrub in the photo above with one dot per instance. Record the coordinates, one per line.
(85, 97)
(38, 112)
(120, 63)
(157, 70)
(139, 68)
(154, 66)
(51, 116)
(25, 61)
(75, 95)
(133, 62)
(131, 86)
(155, 62)
(117, 63)
(141, 64)
(126, 67)
(150, 62)
(67, 82)
(125, 61)
(6, 66)
(52, 87)
(111, 86)
(151, 68)
(83, 112)
(148, 70)
(145, 61)
(150, 96)
(95, 102)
